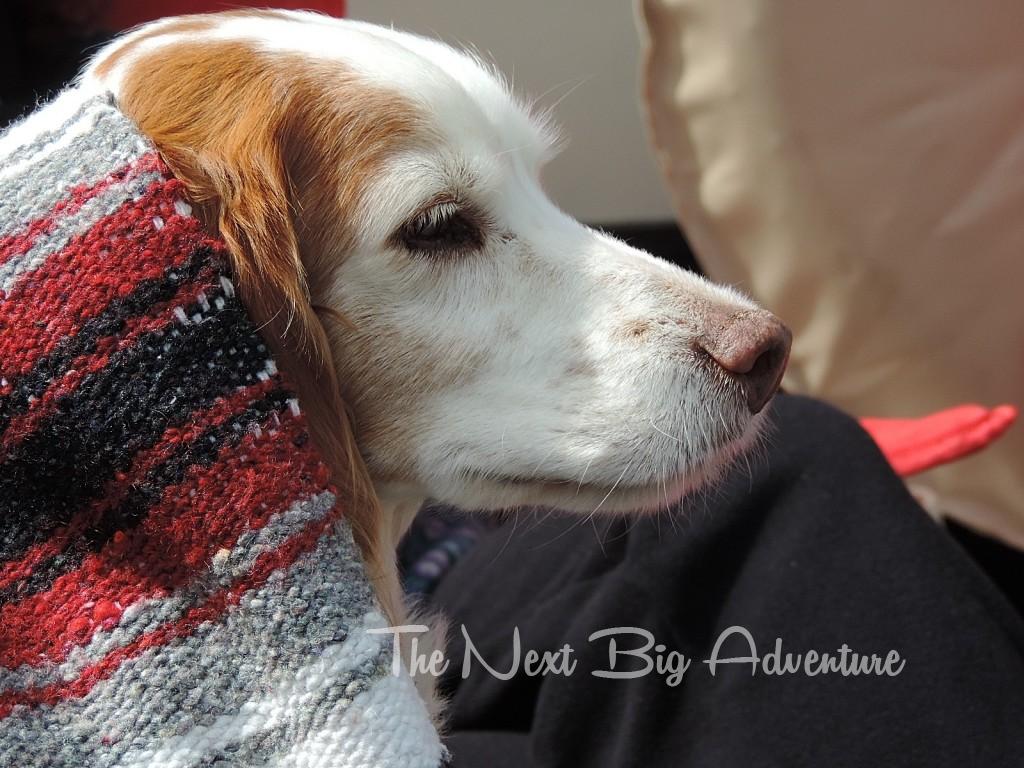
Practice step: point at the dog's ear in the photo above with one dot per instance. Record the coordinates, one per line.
(224, 125)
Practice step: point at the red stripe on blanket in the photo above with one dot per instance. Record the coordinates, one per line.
(213, 609)
(160, 315)
(249, 482)
(19, 243)
(77, 283)
(117, 489)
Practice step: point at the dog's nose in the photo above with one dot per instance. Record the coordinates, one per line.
(753, 347)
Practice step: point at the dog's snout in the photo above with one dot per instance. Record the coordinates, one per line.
(753, 347)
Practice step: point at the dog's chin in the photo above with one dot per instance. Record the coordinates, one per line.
(490, 491)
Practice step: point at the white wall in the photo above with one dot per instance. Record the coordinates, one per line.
(606, 174)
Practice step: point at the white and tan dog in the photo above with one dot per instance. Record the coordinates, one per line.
(446, 323)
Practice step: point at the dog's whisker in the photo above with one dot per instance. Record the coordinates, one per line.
(515, 524)
(584, 518)
(663, 432)
(614, 486)
(540, 463)
(584, 475)
(597, 535)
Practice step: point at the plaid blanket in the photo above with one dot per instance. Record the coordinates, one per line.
(177, 585)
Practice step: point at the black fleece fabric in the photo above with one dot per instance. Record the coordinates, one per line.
(817, 544)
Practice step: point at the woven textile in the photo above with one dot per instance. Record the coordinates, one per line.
(177, 584)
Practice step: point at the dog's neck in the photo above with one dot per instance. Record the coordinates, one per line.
(399, 504)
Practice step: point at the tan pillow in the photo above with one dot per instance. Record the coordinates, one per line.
(859, 168)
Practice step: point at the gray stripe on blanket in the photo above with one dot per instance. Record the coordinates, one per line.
(104, 204)
(88, 159)
(147, 615)
(259, 645)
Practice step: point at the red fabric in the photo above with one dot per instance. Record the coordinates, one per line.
(119, 486)
(202, 488)
(211, 610)
(108, 261)
(121, 14)
(23, 425)
(914, 445)
(207, 511)
(19, 243)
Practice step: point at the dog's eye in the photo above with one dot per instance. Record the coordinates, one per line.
(442, 230)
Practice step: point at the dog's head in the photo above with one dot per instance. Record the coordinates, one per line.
(382, 195)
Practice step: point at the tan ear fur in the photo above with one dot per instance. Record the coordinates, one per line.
(228, 122)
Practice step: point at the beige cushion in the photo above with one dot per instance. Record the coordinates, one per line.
(859, 168)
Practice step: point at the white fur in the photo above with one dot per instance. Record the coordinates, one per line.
(509, 376)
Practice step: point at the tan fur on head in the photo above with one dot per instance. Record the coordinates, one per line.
(256, 140)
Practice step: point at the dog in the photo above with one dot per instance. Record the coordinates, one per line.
(452, 334)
